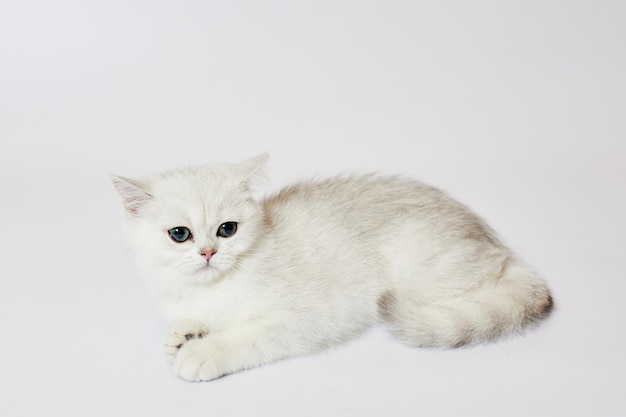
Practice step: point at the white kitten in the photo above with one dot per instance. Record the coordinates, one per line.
(249, 282)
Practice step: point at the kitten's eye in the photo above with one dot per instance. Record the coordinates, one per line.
(179, 234)
(227, 229)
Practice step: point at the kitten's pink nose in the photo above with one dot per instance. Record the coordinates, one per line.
(207, 253)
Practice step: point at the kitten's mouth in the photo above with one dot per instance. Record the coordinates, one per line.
(209, 270)
(209, 267)
(205, 273)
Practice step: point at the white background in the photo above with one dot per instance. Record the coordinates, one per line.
(516, 108)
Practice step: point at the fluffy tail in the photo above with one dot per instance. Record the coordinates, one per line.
(519, 298)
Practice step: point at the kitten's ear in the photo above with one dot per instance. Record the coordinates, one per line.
(132, 193)
(253, 166)
(252, 172)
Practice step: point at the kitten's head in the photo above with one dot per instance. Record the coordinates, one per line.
(196, 223)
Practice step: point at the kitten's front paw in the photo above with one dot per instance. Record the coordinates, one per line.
(196, 361)
(180, 333)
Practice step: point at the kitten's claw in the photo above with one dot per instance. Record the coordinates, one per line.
(180, 333)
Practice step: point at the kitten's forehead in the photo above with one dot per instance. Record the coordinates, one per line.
(195, 188)
(196, 179)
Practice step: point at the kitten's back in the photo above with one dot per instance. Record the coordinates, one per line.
(445, 277)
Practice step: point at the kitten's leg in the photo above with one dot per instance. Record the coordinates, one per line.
(243, 347)
(181, 332)
(506, 305)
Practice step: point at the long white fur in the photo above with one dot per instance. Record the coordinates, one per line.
(317, 264)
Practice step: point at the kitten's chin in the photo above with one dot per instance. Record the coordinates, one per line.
(207, 273)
